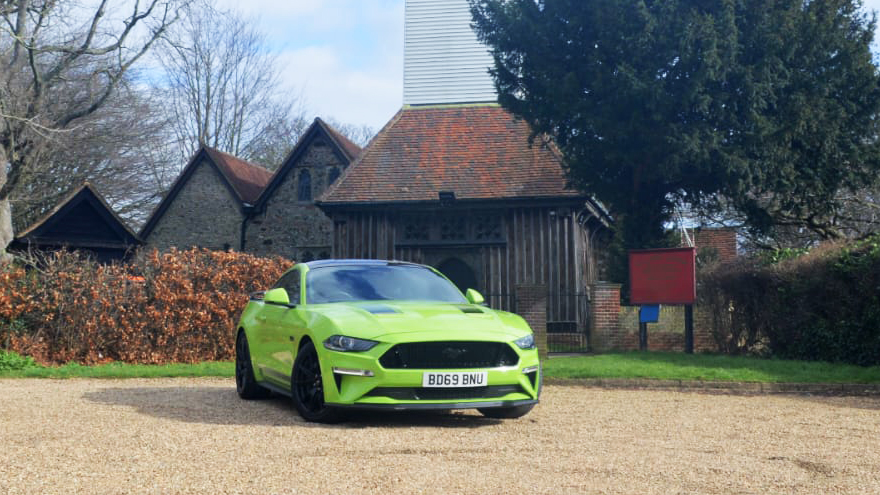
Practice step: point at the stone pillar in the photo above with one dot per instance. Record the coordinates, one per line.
(605, 332)
(531, 304)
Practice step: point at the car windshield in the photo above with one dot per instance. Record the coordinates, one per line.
(345, 283)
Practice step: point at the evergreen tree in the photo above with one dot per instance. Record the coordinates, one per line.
(768, 104)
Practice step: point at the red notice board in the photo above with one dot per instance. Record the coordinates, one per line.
(663, 276)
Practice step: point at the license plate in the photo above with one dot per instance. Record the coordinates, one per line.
(432, 379)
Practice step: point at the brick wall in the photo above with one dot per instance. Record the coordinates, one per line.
(205, 214)
(531, 304)
(292, 228)
(605, 332)
(720, 240)
(668, 333)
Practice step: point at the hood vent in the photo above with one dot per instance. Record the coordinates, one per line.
(379, 309)
(470, 309)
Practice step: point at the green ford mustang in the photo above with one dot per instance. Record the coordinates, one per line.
(339, 334)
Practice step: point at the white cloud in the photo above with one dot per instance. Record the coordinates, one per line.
(332, 89)
(345, 57)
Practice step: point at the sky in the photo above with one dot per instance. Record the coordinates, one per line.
(344, 57)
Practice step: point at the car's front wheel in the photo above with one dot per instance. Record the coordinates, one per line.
(245, 383)
(307, 388)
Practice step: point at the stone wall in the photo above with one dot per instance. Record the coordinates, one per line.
(295, 229)
(204, 214)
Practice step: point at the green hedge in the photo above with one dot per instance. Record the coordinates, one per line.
(821, 306)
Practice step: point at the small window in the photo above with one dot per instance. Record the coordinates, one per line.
(305, 186)
(334, 174)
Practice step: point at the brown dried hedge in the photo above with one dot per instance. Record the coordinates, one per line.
(179, 306)
(822, 306)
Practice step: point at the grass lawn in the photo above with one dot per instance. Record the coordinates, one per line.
(647, 365)
(121, 370)
(706, 367)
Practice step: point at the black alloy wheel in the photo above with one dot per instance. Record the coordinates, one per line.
(245, 383)
(307, 387)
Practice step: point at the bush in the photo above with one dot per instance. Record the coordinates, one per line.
(179, 306)
(11, 361)
(823, 305)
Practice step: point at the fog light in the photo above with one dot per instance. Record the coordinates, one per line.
(529, 369)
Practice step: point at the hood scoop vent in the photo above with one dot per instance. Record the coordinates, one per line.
(379, 309)
(470, 310)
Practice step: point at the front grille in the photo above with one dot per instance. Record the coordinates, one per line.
(449, 355)
(458, 393)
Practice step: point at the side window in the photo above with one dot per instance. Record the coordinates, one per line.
(305, 186)
(290, 283)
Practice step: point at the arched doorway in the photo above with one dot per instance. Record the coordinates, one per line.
(460, 273)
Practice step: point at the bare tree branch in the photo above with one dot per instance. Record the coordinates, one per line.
(57, 75)
(224, 83)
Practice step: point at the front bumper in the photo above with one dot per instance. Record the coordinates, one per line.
(422, 406)
(398, 389)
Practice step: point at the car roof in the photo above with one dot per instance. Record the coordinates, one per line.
(358, 262)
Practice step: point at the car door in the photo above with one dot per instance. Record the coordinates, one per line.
(284, 326)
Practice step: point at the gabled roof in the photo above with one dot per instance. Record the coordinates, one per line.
(247, 179)
(82, 219)
(350, 149)
(341, 146)
(244, 180)
(478, 152)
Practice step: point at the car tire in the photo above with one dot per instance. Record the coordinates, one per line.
(506, 412)
(307, 388)
(245, 383)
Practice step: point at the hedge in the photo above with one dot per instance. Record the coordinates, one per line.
(824, 305)
(178, 306)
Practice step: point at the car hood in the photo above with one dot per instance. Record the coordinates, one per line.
(432, 321)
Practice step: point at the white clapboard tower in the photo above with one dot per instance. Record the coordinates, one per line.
(444, 63)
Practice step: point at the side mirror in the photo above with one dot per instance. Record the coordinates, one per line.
(474, 297)
(277, 296)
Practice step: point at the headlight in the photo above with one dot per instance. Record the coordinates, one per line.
(527, 342)
(342, 343)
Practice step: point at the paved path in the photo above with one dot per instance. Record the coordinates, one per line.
(196, 436)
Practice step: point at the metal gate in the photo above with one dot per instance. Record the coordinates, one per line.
(568, 319)
(568, 324)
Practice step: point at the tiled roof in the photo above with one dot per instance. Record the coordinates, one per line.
(349, 148)
(248, 180)
(477, 152)
(245, 181)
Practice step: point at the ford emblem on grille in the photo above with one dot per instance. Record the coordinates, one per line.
(453, 353)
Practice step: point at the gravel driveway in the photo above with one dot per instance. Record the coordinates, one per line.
(196, 436)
